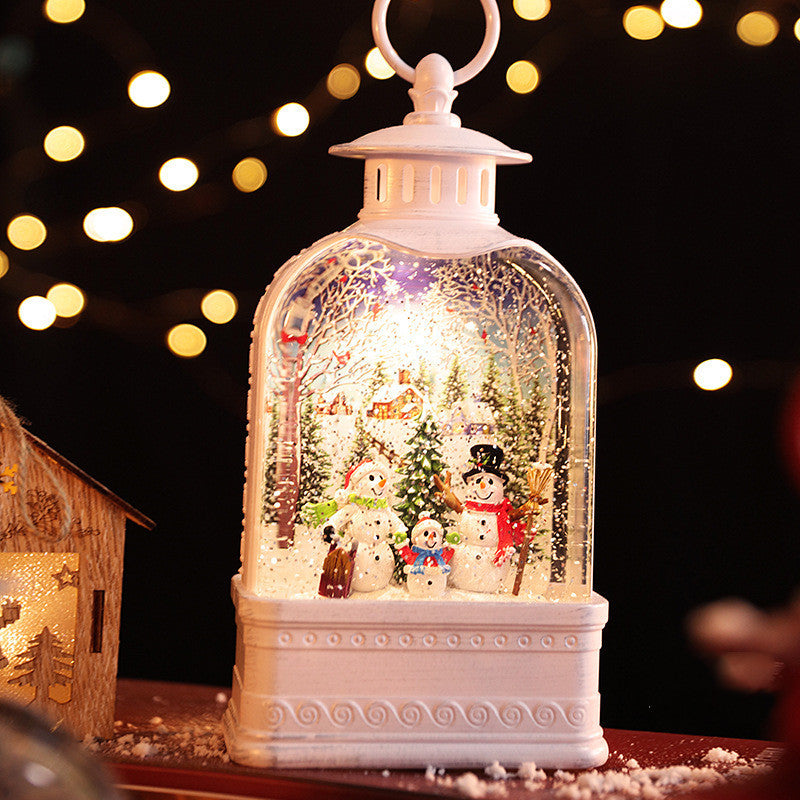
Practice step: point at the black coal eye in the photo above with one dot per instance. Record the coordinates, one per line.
(490, 482)
(482, 537)
(372, 477)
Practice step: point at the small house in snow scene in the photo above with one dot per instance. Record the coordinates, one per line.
(398, 400)
(467, 417)
(62, 538)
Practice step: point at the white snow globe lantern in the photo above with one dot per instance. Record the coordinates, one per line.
(416, 581)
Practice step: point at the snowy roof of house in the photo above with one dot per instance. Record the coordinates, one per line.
(390, 392)
(469, 410)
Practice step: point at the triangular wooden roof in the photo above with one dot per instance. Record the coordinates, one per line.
(130, 512)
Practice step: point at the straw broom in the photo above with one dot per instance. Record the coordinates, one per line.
(539, 476)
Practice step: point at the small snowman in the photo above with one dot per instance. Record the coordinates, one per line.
(427, 559)
(487, 523)
(372, 530)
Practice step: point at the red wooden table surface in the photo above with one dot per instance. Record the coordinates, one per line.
(169, 744)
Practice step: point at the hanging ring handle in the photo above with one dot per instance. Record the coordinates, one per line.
(462, 75)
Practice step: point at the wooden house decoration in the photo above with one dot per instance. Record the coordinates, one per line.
(468, 417)
(62, 538)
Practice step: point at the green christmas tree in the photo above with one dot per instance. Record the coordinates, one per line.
(268, 509)
(519, 434)
(362, 442)
(455, 387)
(315, 463)
(416, 489)
(492, 389)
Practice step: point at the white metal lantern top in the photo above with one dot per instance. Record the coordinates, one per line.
(430, 170)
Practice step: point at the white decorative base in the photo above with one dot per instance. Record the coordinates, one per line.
(367, 683)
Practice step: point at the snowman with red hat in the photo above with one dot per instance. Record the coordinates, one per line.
(489, 525)
(427, 558)
(365, 518)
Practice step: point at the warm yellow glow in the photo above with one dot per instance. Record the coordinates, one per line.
(291, 119)
(522, 77)
(642, 22)
(178, 174)
(64, 143)
(3, 263)
(712, 374)
(219, 306)
(797, 29)
(758, 28)
(249, 174)
(186, 341)
(36, 313)
(110, 224)
(63, 11)
(532, 9)
(68, 300)
(681, 13)
(343, 81)
(376, 65)
(26, 232)
(148, 89)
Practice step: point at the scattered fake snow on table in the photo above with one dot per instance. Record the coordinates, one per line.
(719, 755)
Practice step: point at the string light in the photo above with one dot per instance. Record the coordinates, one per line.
(758, 28)
(4, 264)
(377, 65)
(291, 119)
(642, 22)
(681, 13)
(178, 174)
(249, 175)
(712, 374)
(26, 232)
(148, 89)
(186, 341)
(532, 9)
(522, 77)
(36, 313)
(64, 143)
(343, 81)
(110, 224)
(68, 300)
(219, 306)
(64, 11)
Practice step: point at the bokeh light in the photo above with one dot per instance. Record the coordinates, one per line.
(110, 224)
(681, 13)
(757, 28)
(178, 174)
(522, 77)
(712, 374)
(68, 300)
(290, 119)
(219, 306)
(642, 22)
(532, 9)
(26, 232)
(249, 174)
(148, 89)
(64, 143)
(797, 29)
(36, 313)
(64, 11)
(343, 81)
(4, 264)
(186, 341)
(377, 65)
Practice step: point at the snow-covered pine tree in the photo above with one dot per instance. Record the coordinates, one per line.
(362, 443)
(519, 433)
(315, 463)
(492, 392)
(416, 489)
(455, 387)
(268, 510)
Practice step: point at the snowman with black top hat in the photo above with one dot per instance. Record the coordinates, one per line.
(489, 526)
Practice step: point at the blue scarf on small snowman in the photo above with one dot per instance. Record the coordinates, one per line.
(421, 553)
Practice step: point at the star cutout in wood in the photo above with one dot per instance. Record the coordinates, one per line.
(67, 577)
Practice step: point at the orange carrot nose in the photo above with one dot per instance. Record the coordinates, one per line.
(483, 485)
(382, 483)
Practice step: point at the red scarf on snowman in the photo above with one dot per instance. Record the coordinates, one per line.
(508, 533)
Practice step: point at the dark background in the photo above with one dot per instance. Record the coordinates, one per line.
(664, 178)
